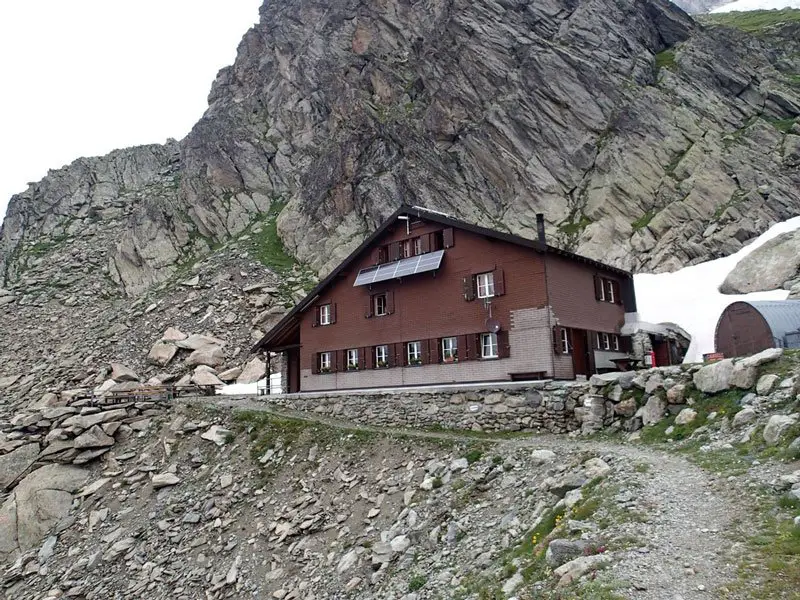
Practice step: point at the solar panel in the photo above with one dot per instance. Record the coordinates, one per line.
(400, 268)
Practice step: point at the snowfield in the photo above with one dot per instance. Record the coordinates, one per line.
(745, 5)
(690, 297)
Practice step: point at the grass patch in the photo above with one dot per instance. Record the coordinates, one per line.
(784, 125)
(755, 21)
(574, 228)
(417, 582)
(267, 244)
(724, 404)
(643, 221)
(473, 455)
(666, 60)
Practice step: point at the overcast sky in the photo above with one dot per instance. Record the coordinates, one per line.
(83, 77)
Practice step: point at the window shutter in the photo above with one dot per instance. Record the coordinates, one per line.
(376, 256)
(370, 304)
(448, 238)
(463, 350)
(425, 241)
(333, 313)
(499, 282)
(436, 349)
(503, 349)
(362, 357)
(426, 354)
(598, 288)
(617, 295)
(626, 343)
(557, 347)
(316, 317)
(469, 288)
(337, 360)
(473, 350)
(394, 251)
(315, 359)
(389, 303)
(369, 357)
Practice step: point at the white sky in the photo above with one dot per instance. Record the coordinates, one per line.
(84, 77)
(743, 5)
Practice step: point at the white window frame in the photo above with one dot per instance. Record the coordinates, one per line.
(606, 341)
(610, 295)
(599, 343)
(325, 314)
(381, 355)
(566, 346)
(450, 349)
(489, 347)
(324, 362)
(352, 358)
(417, 246)
(485, 283)
(406, 249)
(414, 351)
(615, 342)
(378, 312)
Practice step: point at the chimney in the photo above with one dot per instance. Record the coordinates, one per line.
(540, 228)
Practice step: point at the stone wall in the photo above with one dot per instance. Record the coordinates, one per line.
(613, 401)
(538, 406)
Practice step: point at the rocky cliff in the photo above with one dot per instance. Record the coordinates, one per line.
(648, 140)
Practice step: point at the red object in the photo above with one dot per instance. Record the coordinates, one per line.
(713, 356)
(650, 359)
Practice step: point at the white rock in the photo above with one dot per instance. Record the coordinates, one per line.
(195, 342)
(164, 480)
(120, 372)
(686, 416)
(653, 411)
(173, 335)
(162, 353)
(744, 416)
(775, 427)
(766, 383)
(400, 543)
(253, 371)
(347, 562)
(715, 377)
(216, 434)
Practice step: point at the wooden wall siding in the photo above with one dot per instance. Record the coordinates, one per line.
(741, 330)
(571, 285)
(426, 305)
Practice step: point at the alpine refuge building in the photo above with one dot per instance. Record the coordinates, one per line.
(748, 327)
(428, 299)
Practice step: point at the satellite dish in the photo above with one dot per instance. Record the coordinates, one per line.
(492, 325)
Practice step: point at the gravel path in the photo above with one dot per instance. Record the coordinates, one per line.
(686, 550)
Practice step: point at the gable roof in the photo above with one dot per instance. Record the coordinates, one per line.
(435, 217)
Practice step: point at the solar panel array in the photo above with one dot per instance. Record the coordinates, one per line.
(400, 268)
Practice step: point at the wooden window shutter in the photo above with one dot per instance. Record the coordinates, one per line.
(436, 349)
(617, 294)
(463, 349)
(389, 302)
(503, 349)
(469, 288)
(426, 354)
(333, 313)
(557, 346)
(370, 307)
(473, 349)
(448, 238)
(369, 357)
(315, 357)
(362, 357)
(394, 251)
(337, 360)
(425, 241)
(598, 288)
(316, 317)
(499, 282)
(376, 256)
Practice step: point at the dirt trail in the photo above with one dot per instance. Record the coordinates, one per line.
(687, 552)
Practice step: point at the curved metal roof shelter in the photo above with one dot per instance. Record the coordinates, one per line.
(782, 316)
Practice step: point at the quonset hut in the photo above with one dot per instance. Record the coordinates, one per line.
(748, 327)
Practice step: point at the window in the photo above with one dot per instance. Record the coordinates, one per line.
(417, 246)
(615, 342)
(352, 359)
(405, 249)
(566, 346)
(415, 353)
(608, 290)
(605, 341)
(380, 305)
(485, 285)
(325, 314)
(381, 356)
(489, 345)
(450, 349)
(324, 362)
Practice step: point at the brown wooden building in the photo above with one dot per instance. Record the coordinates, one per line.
(748, 327)
(428, 299)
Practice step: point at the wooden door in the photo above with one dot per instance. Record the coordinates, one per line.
(580, 352)
(293, 370)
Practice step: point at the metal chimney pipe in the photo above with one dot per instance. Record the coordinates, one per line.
(540, 227)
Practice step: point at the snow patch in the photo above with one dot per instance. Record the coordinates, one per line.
(691, 298)
(236, 389)
(745, 5)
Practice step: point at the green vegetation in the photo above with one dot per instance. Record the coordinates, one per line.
(571, 227)
(473, 455)
(666, 60)
(784, 125)
(267, 244)
(417, 582)
(756, 21)
(643, 221)
(726, 403)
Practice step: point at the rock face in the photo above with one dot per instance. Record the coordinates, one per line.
(772, 266)
(15, 463)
